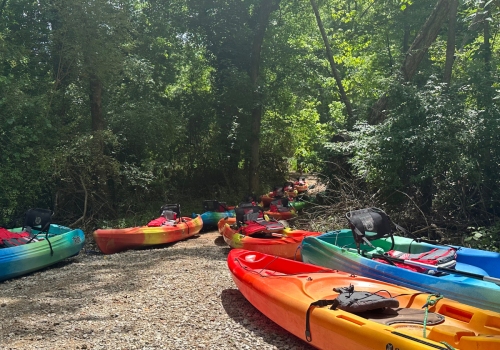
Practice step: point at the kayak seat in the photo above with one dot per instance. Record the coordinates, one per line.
(38, 219)
(279, 205)
(389, 316)
(250, 220)
(176, 208)
(170, 214)
(214, 205)
(373, 221)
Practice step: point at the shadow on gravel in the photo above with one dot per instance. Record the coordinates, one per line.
(245, 314)
(219, 241)
(64, 286)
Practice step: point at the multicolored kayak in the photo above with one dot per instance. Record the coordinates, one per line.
(336, 310)
(301, 185)
(280, 209)
(214, 211)
(266, 199)
(282, 215)
(211, 218)
(337, 250)
(284, 243)
(116, 240)
(63, 242)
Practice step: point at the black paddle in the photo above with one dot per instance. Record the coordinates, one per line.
(440, 269)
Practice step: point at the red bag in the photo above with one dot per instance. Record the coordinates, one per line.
(157, 222)
(12, 239)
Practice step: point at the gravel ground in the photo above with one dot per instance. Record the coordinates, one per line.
(179, 296)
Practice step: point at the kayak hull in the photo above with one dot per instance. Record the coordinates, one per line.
(297, 205)
(26, 258)
(286, 215)
(283, 290)
(335, 250)
(211, 218)
(286, 246)
(112, 241)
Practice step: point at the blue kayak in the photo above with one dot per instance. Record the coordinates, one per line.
(337, 250)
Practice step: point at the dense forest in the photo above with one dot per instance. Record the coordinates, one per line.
(109, 109)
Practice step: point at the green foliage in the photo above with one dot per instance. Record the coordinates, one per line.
(486, 238)
(427, 147)
(27, 133)
(177, 103)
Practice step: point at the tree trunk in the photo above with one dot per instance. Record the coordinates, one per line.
(389, 54)
(477, 24)
(333, 66)
(406, 33)
(426, 36)
(485, 96)
(450, 43)
(487, 43)
(265, 10)
(96, 103)
(2, 6)
(427, 195)
(61, 70)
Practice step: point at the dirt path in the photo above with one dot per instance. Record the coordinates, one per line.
(179, 296)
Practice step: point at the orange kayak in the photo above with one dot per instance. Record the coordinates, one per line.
(301, 188)
(284, 215)
(266, 199)
(284, 243)
(116, 240)
(299, 298)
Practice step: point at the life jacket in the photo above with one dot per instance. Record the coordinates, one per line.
(247, 204)
(12, 239)
(443, 257)
(277, 192)
(279, 206)
(250, 220)
(300, 182)
(167, 218)
(213, 205)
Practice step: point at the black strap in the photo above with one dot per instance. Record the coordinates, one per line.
(320, 303)
(50, 244)
(386, 258)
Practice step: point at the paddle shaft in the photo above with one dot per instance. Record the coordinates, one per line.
(440, 269)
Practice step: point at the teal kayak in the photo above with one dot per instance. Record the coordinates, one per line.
(337, 250)
(23, 259)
